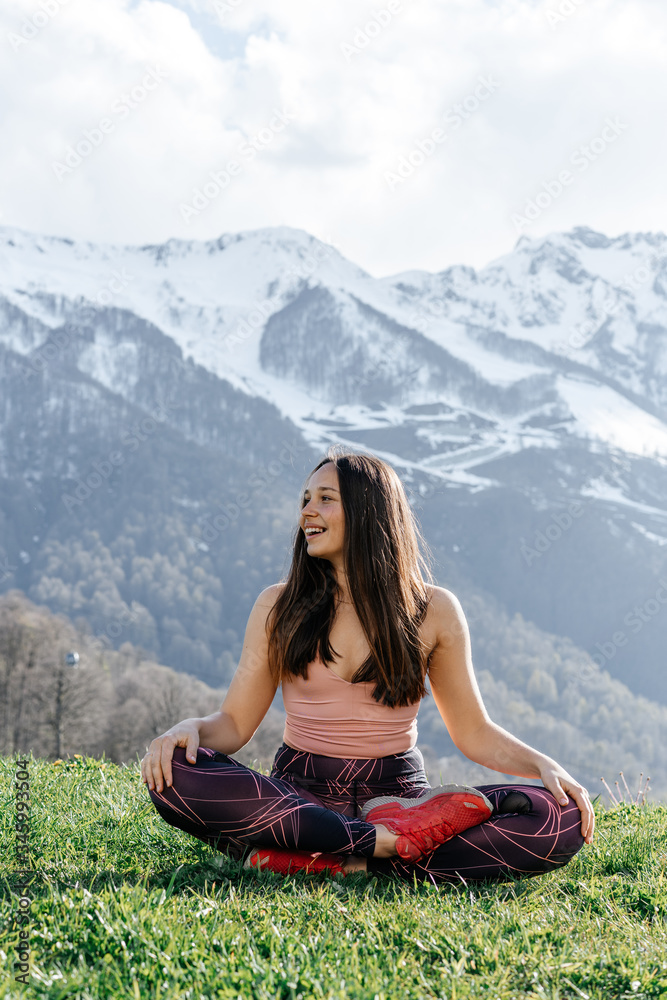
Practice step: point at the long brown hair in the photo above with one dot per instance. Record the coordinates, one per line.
(385, 570)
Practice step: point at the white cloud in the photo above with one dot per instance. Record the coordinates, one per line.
(364, 87)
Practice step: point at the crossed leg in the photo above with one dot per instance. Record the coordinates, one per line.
(232, 807)
(528, 834)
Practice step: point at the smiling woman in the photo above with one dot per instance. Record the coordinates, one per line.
(358, 547)
(352, 635)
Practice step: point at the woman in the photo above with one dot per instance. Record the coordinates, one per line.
(352, 635)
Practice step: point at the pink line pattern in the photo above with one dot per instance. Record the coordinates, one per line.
(313, 803)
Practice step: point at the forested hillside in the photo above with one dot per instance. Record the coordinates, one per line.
(540, 687)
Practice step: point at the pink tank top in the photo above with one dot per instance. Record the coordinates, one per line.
(331, 716)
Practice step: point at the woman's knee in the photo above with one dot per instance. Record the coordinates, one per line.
(564, 821)
(183, 770)
(571, 839)
(554, 831)
(179, 774)
(515, 801)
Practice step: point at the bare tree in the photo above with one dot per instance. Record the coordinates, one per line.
(106, 701)
(23, 632)
(76, 700)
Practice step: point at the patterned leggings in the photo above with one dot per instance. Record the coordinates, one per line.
(313, 803)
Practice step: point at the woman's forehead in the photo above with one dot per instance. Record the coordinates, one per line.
(325, 477)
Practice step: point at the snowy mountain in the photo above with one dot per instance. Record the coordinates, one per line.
(524, 404)
(566, 329)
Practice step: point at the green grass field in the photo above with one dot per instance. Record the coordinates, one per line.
(122, 905)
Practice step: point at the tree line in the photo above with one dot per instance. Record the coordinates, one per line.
(100, 701)
(114, 702)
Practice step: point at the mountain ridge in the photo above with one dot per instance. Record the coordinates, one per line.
(500, 395)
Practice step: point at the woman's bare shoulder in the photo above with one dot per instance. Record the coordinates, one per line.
(270, 595)
(261, 610)
(445, 614)
(441, 599)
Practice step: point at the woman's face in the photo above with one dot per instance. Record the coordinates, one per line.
(323, 509)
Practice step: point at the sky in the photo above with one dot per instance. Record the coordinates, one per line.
(410, 134)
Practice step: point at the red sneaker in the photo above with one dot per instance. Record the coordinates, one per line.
(287, 862)
(423, 824)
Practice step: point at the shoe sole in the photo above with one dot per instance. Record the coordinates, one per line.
(383, 800)
(267, 867)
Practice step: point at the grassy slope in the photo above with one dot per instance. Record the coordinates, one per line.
(125, 906)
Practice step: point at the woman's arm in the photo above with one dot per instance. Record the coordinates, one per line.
(246, 703)
(459, 701)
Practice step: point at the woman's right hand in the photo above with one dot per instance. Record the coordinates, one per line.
(156, 765)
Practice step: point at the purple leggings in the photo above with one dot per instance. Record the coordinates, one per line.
(313, 803)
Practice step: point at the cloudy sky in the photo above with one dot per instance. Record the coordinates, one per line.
(409, 133)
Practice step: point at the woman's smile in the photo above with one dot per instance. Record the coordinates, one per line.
(311, 533)
(322, 497)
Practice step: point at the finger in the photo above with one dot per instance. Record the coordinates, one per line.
(191, 749)
(154, 768)
(147, 769)
(587, 815)
(165, 762)
(145, 766)
(556, 790)
(590, 816)
(590, 829)
(580, 796)
(588, 826)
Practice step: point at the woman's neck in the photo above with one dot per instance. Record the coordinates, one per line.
(344, 596)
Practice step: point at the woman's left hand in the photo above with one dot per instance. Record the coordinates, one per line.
(561, 784)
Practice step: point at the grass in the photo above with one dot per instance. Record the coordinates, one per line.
(122, 905)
